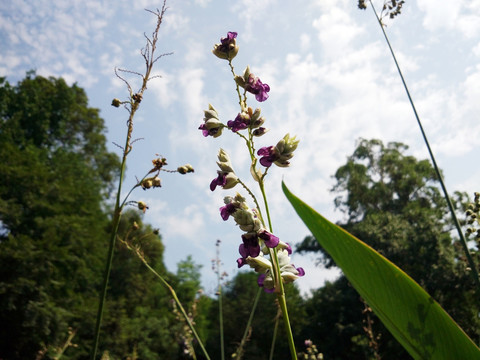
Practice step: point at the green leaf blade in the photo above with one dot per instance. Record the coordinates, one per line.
(413, 317)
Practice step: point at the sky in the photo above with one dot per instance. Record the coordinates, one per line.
(332, 81)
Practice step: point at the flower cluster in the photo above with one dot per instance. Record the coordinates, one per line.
(279, 154)
(253, 85)
(248, 119)
(256, 242)
(212, 126)
(260, 249)
(226, 176)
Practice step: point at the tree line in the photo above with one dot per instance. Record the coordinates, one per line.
(56, 178)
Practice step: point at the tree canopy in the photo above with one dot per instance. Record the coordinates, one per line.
(56, 176)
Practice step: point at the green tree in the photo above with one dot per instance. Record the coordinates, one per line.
(138, 317)
(56, 173)
(392, 202)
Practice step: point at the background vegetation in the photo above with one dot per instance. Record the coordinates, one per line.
(57, 175)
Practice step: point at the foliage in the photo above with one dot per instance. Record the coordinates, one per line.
(54, 232)
(392, 202)
(138, 312)
(238, 298)
(56, 172)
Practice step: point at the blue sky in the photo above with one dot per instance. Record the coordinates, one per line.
(332, 81)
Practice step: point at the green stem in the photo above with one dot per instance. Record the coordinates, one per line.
(278, 281)
(111, 248)
(264, 195)
(179, 304)
(437, 170)
(220, 307)
(253, 197)
(283, 305)
(239, 351)
(237, 87)
(275, 330)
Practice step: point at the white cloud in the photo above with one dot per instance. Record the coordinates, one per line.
(336, 30)
(187, 224)
(463, 16)
(250, 12)
(164, 89)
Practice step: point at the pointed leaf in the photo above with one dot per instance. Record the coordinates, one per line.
(413, 317)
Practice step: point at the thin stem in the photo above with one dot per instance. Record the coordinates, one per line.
(279, 288)
(179, 304)
(111, 248)
(264, 195)
(283, 305)
(439, 175)
(220, 314)
(239, 351)
(135, 100)
(237, 87)
(220, 306)
(253, 197)
(275, 331)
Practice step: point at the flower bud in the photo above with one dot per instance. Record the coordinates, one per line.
(142, 206)
(260, 131)
(256, 173)
(290, 273)
(182, 170)
(224, 162)
(242, 80)
(255, 115)
(259, 264)
(147, 184)
(231, 181)
(158, 163)
(156, 182)
(228, 48)
(210, 113)
(285, 148)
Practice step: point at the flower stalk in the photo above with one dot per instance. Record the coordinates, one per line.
(463, 240)
(260, 249)
(132, 105)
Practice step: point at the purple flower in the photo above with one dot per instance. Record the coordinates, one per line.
(227, 49)
(231, 35)
(239, 123)
(227, 210)
(269, 239)
(209, 132)
(260, 282)
(220, 180)
(256, 87)
(288, 248)
(269, 155)
(250, 246)
(241, 262)
(300, 270)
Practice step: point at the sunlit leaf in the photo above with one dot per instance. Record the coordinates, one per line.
(414, 318)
